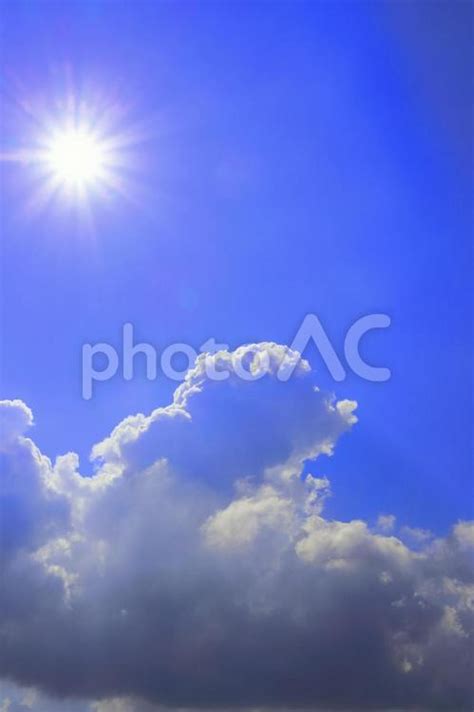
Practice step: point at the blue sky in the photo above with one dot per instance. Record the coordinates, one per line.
(295, 161)
(285, 159)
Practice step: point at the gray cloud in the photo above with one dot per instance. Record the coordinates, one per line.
(196, 569)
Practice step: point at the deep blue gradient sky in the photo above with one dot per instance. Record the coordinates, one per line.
(311, 158)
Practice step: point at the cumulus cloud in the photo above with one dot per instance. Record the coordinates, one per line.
(32, 510)
(196, 569)
(464, 533)
(15, 419)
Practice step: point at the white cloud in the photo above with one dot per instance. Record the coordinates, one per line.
(386, 522)
(245, 519)
(464, 533)
(415, 535)
(15, 419)
(196, 569)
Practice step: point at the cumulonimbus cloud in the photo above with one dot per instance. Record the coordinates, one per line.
(196, 569)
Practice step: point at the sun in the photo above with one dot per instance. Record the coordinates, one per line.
(76, 158)
(80, 154)
(79, 160)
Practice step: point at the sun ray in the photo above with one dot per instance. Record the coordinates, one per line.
(77, 154)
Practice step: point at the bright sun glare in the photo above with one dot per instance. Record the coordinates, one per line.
(76, 157)
(81, 155)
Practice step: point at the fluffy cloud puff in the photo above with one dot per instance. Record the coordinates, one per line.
(196, 569)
